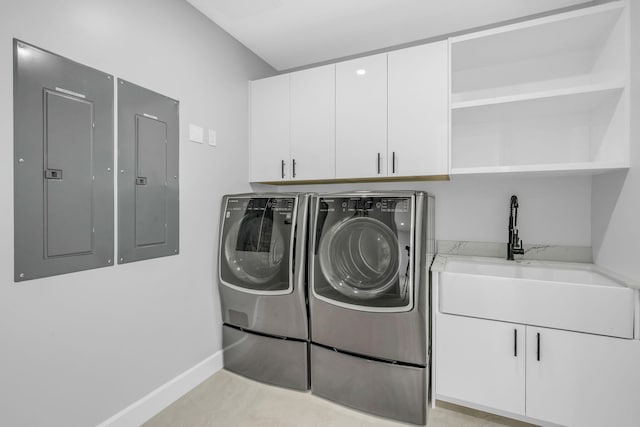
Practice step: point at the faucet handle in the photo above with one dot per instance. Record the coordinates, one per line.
(519, 247)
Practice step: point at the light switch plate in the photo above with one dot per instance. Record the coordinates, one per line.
(196, 134)
(213, 138)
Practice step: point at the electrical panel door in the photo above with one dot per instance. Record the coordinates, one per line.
(63, 165)
(148, 174)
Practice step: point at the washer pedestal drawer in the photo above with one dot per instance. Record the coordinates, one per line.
(270, 360)
(380, 388)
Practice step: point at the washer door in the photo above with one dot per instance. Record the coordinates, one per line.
(359, 258)
(256, 246)
(254, 250)
(362, 252)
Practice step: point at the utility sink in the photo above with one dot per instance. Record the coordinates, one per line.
(567, 296)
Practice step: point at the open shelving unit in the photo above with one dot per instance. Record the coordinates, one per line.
(549, 95)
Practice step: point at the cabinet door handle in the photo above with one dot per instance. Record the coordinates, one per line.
(393, 162)
(293, 165)
(282, 169)
(538, 347)
(515, 342)
(378, 163)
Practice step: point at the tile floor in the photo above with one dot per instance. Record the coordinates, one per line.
(226, 399)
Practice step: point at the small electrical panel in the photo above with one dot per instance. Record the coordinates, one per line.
(63, 165)
(148, 205)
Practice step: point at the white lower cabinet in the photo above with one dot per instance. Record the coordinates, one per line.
(578, 379)
(554, 376)
(481, 361)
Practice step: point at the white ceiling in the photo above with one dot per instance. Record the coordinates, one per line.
(294, 33)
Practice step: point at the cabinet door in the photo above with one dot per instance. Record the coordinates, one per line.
(313, 123)
(361, 117)
(577, 379)
(270, 129)
(419, 110)
(480, 361)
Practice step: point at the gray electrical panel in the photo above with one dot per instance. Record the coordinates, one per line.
(63, 161)
(148, 206)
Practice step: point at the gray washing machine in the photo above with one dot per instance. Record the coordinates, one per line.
(369, 259)
(262, 269)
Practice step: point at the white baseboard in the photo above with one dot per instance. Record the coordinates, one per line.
(142, 410)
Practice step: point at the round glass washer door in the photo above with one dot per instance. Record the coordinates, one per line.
(359, 257)
(254, 249)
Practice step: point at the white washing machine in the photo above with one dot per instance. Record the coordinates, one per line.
(369, 259)
(262, 284)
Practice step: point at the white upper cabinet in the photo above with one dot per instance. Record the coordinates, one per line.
(330, 122)
(313, 123)
(546, 95)
(270, 129)
(418, 90)
(361, 117)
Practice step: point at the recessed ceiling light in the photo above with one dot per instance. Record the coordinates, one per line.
(361, 72)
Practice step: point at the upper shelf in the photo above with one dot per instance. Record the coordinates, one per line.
(572, 31)
(572, 99)
(548, 96)
(582, 84)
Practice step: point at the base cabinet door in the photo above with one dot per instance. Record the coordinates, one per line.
(481, 361)
(577, 379)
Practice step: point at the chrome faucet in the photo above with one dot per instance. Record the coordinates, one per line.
(515, 244)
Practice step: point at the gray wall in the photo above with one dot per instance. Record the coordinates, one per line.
(616, 197)
(76, 349)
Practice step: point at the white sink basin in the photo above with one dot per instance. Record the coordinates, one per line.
(556, 295)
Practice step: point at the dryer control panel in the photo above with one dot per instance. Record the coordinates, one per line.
(366, 204)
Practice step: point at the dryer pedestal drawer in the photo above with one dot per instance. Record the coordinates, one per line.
(380, 388)
(271, 360)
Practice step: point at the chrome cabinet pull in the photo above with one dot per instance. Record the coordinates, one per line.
(538, 349)
(393, 162)
(282, 169)
(294, 168)
(515, 342)
(379, 167)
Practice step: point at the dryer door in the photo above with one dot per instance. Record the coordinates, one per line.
(256, 247)
(363, 254)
